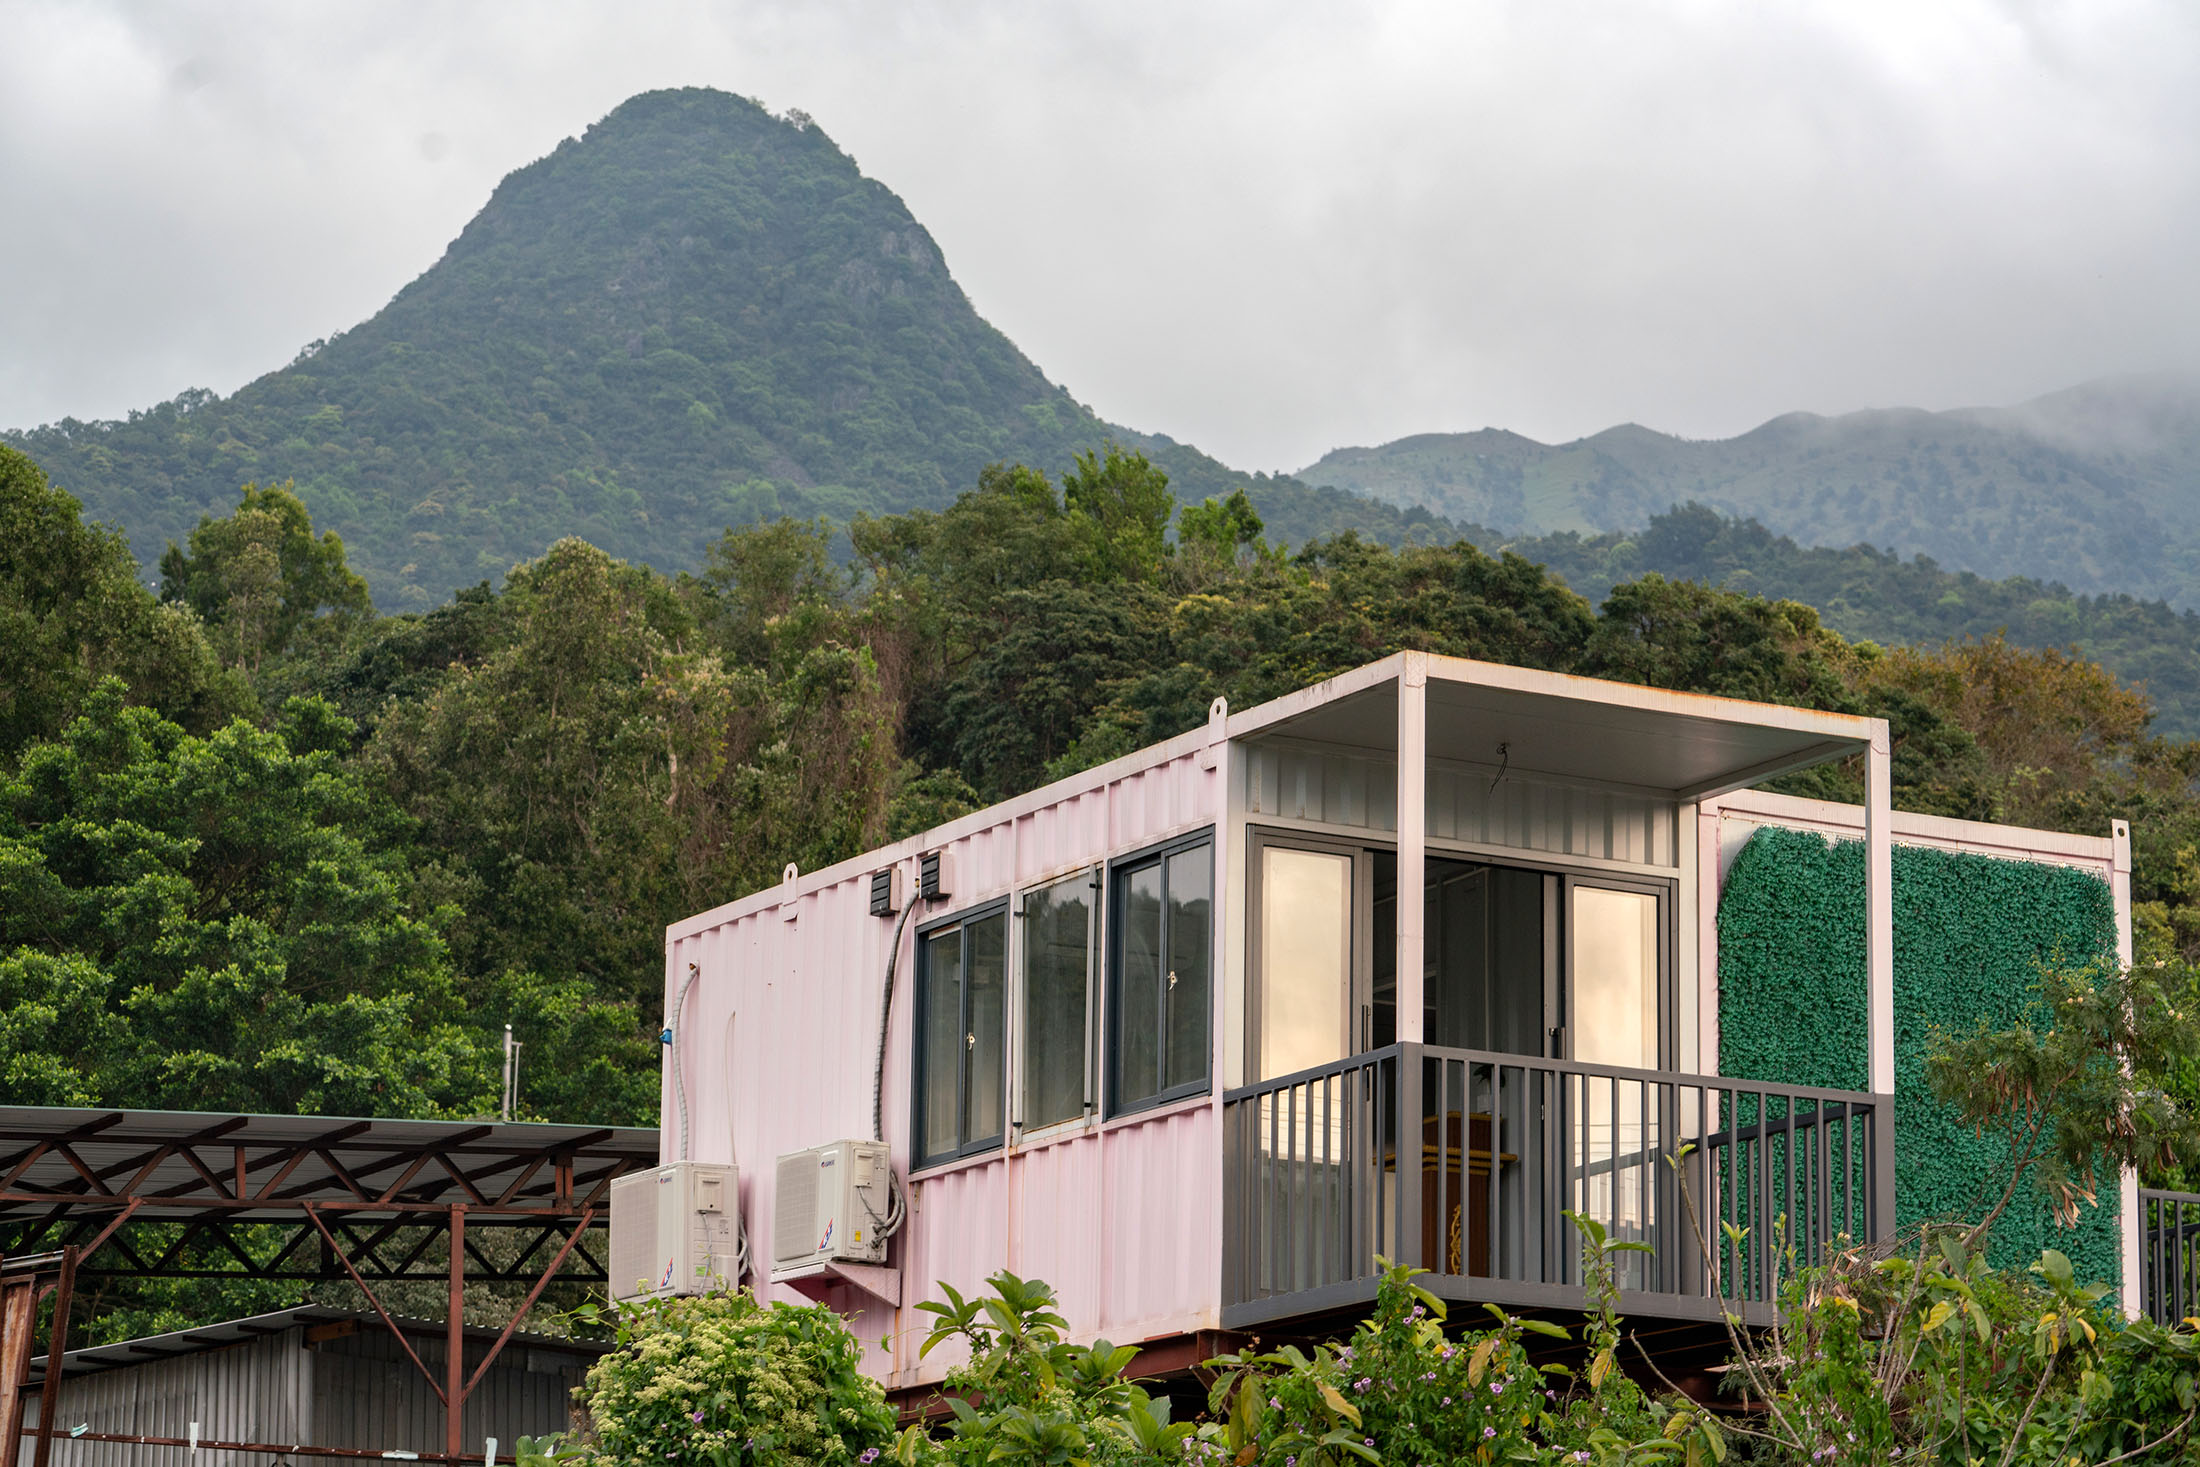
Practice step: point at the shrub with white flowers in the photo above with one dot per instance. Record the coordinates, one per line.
(724, 1380)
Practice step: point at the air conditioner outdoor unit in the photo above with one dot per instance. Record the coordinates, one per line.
(675, 1229)
(832, 1204)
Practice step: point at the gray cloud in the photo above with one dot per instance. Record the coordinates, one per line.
(1266, 228)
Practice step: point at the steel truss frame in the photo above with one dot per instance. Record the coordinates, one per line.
(149, 1194)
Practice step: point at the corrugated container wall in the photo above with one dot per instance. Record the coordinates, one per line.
(779, 1044)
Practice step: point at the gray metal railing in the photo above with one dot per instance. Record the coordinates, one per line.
(2169, 1255)
(1318, 1184)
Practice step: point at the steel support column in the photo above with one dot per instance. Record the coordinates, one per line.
(454, 1360)
(57, 1348)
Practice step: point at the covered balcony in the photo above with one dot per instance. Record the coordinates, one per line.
(1554, 1049)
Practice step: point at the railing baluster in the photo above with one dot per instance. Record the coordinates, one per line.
(1497, 1173)
(1377, 1155)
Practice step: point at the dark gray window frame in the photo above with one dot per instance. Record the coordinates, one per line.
(1158, 854)
(920, 1010)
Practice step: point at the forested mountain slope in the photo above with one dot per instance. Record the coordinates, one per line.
(2097, 487)
(262, 848)
(697, 315)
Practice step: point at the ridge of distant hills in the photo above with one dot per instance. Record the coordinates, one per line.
(698, 314)
(1875, 595)
(2097, 487)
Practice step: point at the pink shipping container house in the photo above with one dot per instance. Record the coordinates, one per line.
(1146, 1034)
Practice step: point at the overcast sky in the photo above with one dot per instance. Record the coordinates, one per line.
(1268, 228)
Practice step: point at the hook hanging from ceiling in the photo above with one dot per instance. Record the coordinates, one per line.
(1505, 759)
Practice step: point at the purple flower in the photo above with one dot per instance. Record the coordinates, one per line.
(870, 1454)
(1489, 1431)
(696, 1417)
(1497, 1388)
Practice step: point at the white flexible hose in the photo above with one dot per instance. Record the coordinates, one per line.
(885, 1015)
(674, 1038)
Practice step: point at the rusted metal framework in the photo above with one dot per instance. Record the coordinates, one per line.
(101, 1194)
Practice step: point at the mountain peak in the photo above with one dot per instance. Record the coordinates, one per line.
(695, 315)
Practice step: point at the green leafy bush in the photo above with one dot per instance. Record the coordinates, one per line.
(724, 1379)
(1025, 1396)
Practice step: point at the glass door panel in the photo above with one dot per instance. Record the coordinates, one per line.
(1615, 977)
(1613, 1007)
(1305, 981)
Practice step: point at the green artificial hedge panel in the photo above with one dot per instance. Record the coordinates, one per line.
(1969, 934)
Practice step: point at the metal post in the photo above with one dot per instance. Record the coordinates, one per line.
(1412, 838)
(1879, 970)
(57, 1346)
(454, 1360)
(1407, 1149)
(1879, 908)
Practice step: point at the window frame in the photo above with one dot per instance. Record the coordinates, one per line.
(1158, 854)
(920, 1010)
(1094, 878)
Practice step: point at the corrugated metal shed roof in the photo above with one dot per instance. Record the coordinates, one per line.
(258, 1168)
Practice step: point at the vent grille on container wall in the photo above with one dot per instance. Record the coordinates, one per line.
(886, 892)
(794, 1207)
(935, 876)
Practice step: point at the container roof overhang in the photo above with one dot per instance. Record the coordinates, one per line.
(1688, 746)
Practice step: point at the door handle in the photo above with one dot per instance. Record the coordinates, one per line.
(1558, 1041)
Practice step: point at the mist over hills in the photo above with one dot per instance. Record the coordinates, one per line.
(2097, 487)
(698, 314)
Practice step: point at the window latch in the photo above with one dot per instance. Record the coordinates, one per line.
(1172, 977)
(971, 1040)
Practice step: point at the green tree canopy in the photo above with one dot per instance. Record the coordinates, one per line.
(72, 612)
(203, 923)
(260, 579)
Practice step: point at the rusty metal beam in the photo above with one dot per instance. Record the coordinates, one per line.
(269, 1449)
(57, 1349)
(541, 1282)
(454, 1349)
(313, 1212)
